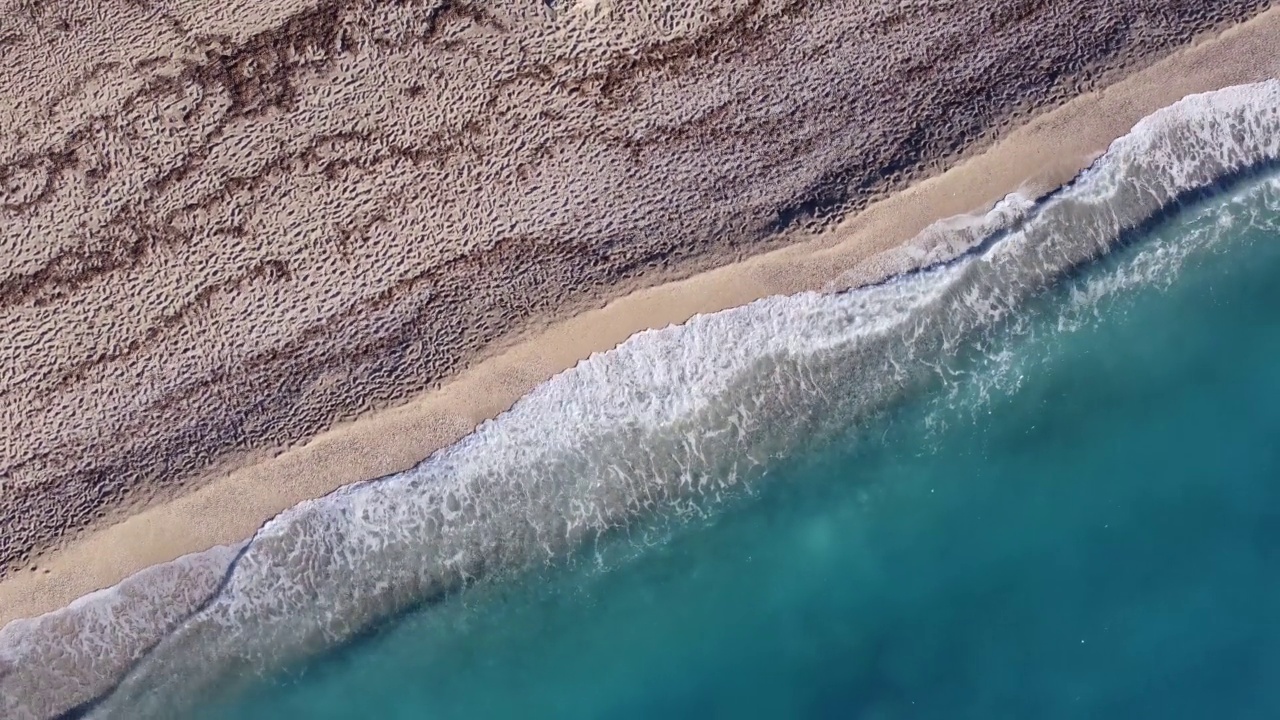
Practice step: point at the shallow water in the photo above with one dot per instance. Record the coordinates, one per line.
(1079, 518)
(1032, 481)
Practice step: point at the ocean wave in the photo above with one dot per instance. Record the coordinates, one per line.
(674, 421)
(52, 662)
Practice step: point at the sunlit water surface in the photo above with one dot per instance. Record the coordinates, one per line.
(1085, 523)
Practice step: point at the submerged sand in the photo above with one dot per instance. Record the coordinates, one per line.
(230, 231)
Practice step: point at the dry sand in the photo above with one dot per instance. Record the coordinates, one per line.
(229, 230)
(1039, 156)
(866, 246)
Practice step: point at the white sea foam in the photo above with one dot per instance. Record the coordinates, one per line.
(50, 663)
(672, 419)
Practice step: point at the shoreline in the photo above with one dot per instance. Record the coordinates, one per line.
(751, 385)
(1034, 158)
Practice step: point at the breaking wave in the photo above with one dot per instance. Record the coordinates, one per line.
(674, 421)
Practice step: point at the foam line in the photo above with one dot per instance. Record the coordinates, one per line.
(673, 420)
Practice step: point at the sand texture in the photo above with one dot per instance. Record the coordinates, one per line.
(59, 653)
(227, 227)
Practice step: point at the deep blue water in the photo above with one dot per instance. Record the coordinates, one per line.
(1085, 523)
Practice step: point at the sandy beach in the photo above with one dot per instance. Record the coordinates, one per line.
(229, 291)
(174, 404)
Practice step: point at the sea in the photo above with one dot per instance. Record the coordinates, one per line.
(1037, 480)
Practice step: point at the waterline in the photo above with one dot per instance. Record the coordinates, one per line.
(674, 422)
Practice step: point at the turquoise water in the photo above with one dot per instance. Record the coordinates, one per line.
(1082, 521)
(1035, 480)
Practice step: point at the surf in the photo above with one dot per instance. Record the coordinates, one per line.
(675, 424)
